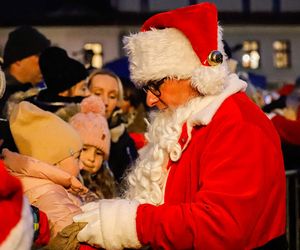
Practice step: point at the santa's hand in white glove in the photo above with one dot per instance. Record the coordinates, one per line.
(111, 224)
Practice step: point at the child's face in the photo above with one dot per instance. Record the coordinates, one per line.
(92, 158)
(71, 164)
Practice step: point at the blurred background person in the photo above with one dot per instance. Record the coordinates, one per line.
(20, 223)
(22, 73)
(21, 64)
(285, 115)
(65, 78)
(123, 153)
(134, 109)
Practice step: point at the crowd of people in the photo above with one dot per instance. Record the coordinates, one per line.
(86, 165)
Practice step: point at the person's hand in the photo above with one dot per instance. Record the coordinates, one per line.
(111, 224)
(76, 187)
(290, 113)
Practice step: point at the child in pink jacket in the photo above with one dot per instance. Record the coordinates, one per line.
(48, 163)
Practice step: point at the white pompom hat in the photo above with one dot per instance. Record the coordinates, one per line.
(182, 43)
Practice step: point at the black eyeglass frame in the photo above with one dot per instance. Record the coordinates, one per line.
(153, 87)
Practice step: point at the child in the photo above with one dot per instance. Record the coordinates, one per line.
(92, 126)
(48, 163)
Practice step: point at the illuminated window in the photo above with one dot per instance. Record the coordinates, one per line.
(251, 55)
(281, 54)
(93, 54)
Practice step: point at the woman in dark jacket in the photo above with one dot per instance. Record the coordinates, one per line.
(123, 152)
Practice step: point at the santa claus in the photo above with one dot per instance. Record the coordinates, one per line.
(211, 175)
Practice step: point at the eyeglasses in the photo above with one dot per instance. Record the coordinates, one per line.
(77, 156)
(153, 87)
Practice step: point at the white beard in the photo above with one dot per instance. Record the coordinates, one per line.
(147, 178)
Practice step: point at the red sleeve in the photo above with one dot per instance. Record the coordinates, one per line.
(288, 130)
(237, 205)
(86, 247)
(139, 139)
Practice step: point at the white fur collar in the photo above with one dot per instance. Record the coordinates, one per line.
(204, 116)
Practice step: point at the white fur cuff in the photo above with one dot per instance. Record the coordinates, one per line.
(118, 219)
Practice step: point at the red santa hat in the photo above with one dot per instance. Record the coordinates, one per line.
(16, 223)
(182, 43)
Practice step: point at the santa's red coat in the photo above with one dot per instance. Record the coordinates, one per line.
(227, 191)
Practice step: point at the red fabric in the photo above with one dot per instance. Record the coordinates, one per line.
(227, 191)
(139, 139)
(288, 130)
(86, 247)
(286, 89)
(199, 23)
(11, 202)
(44, 233)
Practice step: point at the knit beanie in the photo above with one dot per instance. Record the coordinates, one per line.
(23, 42)
(42, 135)
(92, 125)
(60, 72)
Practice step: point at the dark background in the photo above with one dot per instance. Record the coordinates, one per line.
(104, 12)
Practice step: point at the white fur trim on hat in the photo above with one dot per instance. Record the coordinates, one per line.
(21, 236)
(156, 54)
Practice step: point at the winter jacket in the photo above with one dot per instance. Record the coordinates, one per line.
(227, 191)
(48, 188)
(122, 152)
(15, 92)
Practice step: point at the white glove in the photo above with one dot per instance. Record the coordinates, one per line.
(91, 233)
(90, 206)
(111, 224)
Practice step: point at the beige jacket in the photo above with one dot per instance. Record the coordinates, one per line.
(47, 187)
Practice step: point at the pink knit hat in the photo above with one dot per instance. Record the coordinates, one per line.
(92, 125)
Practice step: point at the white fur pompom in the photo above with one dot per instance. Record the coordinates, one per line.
(209, 80)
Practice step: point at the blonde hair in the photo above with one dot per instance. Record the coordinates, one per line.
(113, 75)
